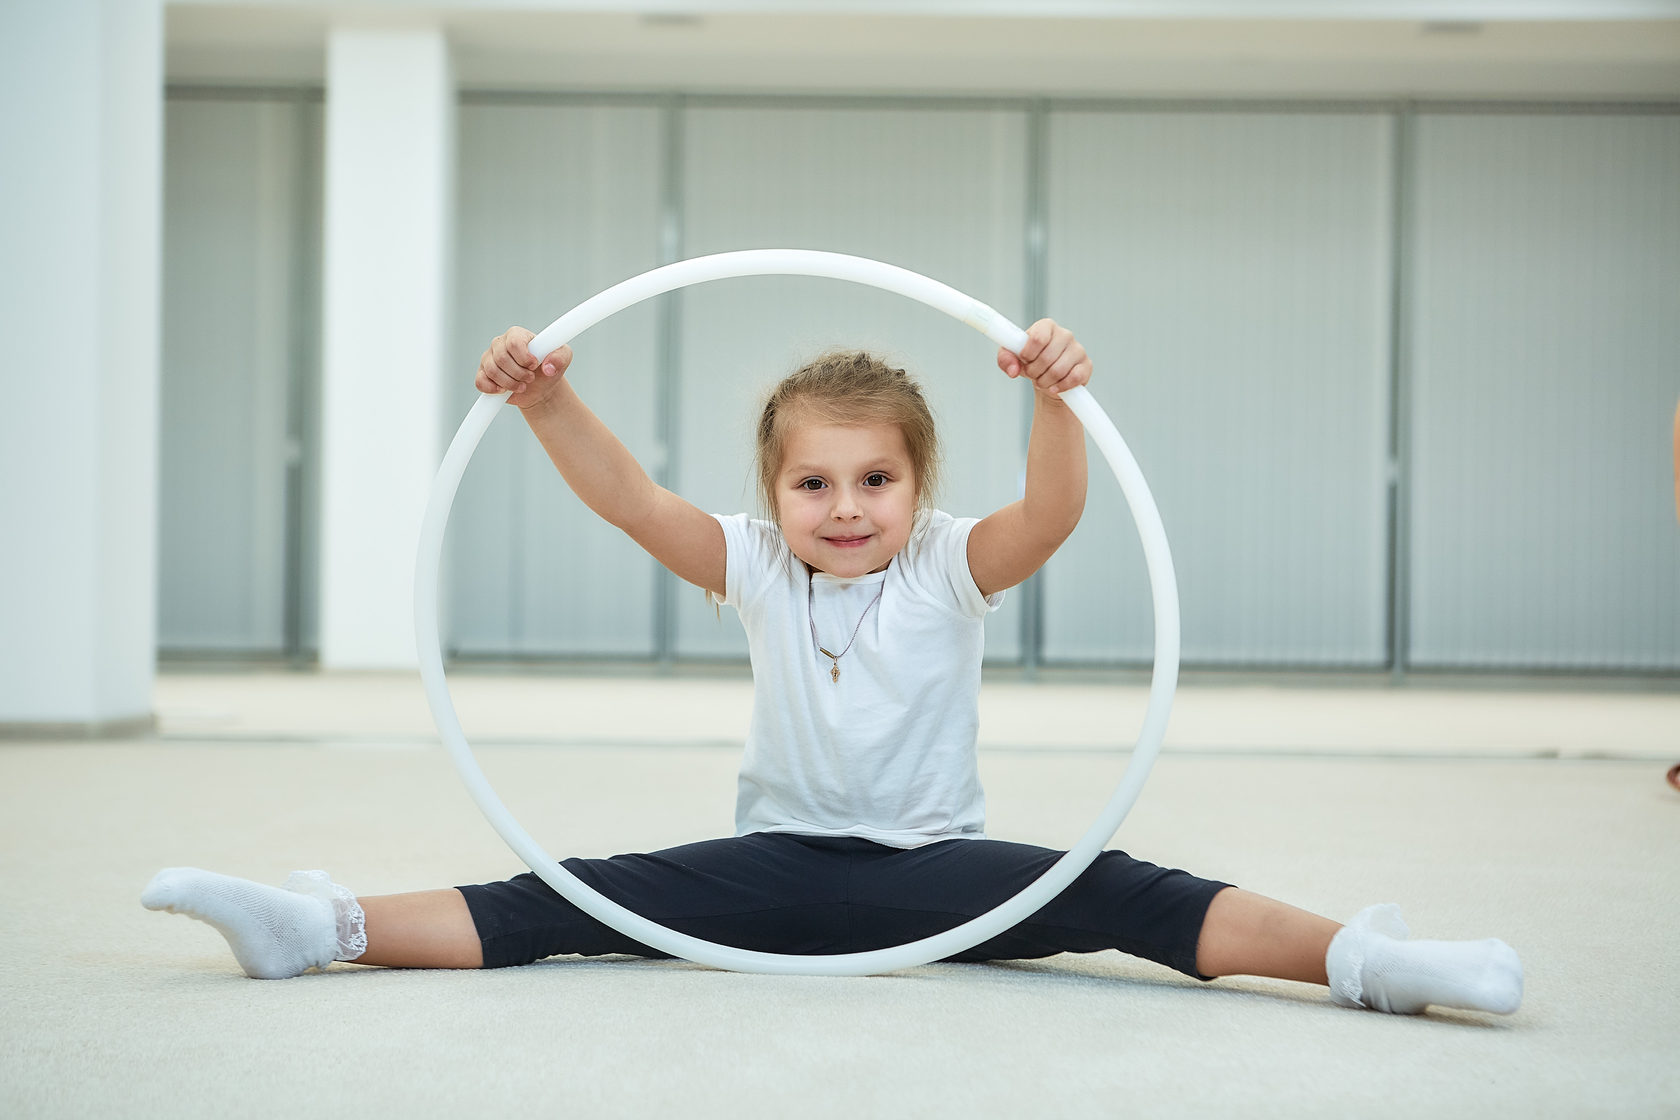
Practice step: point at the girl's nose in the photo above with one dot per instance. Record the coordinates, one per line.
(845, 505)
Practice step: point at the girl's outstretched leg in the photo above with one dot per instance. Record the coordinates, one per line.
(1367, 963)
(426, 929)
(1248, 934)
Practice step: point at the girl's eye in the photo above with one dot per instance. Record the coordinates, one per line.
(876, 480)
(811, 484)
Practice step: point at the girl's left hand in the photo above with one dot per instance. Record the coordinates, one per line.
(1052, 359)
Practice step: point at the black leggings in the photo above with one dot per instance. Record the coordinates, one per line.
(784, 893)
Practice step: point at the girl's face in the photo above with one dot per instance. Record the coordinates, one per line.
(846, 496)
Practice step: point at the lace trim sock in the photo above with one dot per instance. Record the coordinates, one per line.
(1372, 964)
(349, 922)
(274, 932)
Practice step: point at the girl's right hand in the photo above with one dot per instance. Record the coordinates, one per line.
(509, 367)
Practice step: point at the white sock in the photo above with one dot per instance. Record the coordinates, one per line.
(274, 932)
(1371, 964)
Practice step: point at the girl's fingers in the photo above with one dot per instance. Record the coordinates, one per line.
(1051, 361)
(518, 349)
(483, 382)
(513, 375)
(1038, 336)
(493, 368)
(1071, 368)
(502, 382)
(1079, 373)
(1068, 364)
(508, 367)
(515, 367)
(1052, 339)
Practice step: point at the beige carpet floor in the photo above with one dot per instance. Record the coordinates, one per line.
(1540, 817)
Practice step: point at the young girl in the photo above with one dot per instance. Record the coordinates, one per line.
(860, 819)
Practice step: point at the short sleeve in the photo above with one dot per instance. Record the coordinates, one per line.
(939, 562)
(752, 550)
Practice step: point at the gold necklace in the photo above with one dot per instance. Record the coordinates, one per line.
(811, 617)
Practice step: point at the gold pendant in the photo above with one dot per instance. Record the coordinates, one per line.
(834, 673)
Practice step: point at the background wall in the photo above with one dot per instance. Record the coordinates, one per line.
(1388, 306)
(1383, 290)
(1310, 320)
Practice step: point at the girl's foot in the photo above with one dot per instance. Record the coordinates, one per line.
(1372, 964)
(274, 932)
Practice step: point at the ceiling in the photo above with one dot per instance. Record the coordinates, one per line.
(971, 49)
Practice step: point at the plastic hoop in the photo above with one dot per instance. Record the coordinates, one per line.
(1012, 911)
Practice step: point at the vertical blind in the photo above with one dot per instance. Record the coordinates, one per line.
(235, 510)
(1545, 365)
(1231, 273)
(532, 571)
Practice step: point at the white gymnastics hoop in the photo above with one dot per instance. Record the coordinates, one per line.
(1009, 913)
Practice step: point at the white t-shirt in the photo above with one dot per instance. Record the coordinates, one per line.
(887, 752)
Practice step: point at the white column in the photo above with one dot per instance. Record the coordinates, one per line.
(81, 135)
(389, 221)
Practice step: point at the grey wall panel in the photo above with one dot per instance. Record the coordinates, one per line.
(304, 550)
(1231, 275)
(231, 264)
(940, 191)
(1546, 362)
(556, 203)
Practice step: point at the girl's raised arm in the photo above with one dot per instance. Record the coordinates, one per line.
(599, 469)
(1014, 542)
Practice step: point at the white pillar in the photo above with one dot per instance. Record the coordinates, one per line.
(389, 222)
(81, 95)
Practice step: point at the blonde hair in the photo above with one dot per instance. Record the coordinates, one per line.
(848, 387)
